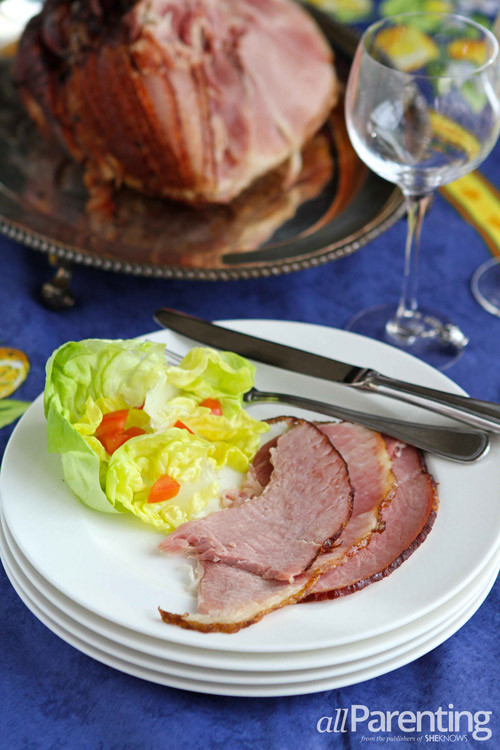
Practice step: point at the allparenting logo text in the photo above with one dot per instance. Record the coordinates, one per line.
(441, 725)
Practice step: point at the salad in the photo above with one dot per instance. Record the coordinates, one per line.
(138, 435)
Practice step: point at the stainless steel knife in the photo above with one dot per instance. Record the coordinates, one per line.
(483, 415)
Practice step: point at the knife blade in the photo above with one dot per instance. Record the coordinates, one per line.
(479, 414)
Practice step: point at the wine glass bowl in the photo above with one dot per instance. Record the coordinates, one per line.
(422, 109)
(486, 286)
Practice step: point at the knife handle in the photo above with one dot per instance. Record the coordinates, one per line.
(484, 415)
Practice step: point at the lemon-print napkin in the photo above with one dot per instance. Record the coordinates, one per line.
(14, 368)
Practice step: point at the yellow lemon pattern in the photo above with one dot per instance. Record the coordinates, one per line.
(451, 132)
(408, 47)
(468, 49)
(14, 367)
(347, 11)
(479, 203)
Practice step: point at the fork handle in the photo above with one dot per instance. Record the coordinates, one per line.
(456, 444)
(481, 415)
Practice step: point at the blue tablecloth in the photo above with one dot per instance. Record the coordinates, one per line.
(53, 696)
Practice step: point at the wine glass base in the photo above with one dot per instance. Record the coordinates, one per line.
(486, 286)
(420, 338)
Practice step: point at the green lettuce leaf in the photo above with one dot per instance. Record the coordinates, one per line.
(87, 379)
(135, 467)
(77, 375)
(125, 371)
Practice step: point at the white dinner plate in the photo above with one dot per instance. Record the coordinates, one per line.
(371, 651)
(110, 565)
(120, 658)
(176, 668)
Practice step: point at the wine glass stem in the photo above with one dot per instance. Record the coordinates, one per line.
(406, 323)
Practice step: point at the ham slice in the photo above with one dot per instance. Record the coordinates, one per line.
(370, 472)
(229, 598)
(374, 483)
(408, 519)
(300, 513)
(389, 480)
(261, 468)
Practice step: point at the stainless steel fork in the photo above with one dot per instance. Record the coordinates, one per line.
(454, 443)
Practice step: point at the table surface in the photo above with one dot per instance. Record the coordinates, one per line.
(53, 696)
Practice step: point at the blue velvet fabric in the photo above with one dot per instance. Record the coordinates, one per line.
(52, 696)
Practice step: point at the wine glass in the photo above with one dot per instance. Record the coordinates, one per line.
(486, 286)
(422, 109)
(486, 279)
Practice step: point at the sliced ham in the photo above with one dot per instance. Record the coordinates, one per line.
(388, 477)
(374, 484)
(408, 519)
(229, 598)
(261, 468)
(262, 464)
(303, 509)
(368, 461)
(370, 472)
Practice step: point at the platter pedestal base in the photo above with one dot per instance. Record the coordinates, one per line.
(56, 294)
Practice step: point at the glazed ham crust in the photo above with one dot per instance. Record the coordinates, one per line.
(187, 99)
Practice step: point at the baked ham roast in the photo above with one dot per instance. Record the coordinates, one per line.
(395, 504)
(186, 99)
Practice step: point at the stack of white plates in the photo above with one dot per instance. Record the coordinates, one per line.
(97, 580)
